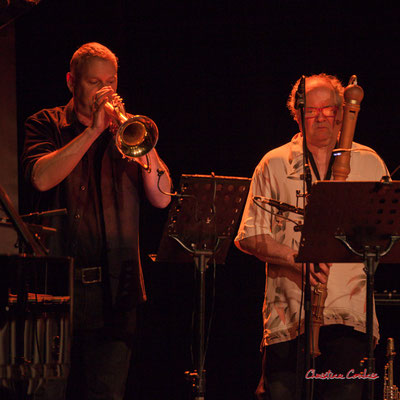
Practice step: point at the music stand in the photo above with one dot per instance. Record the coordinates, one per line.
(29, 241)
(201, 224)
(353, 222)
(33, 270)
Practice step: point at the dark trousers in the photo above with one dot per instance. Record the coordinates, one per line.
(99, 368)
(342, 348)
(100, 356)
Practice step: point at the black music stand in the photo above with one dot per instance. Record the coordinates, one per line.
(201, 224)
(49, 278)
(29, 241)
(353, 222)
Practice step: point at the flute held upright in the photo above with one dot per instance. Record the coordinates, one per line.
(353, 95)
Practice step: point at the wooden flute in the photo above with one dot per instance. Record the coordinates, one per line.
(353, 95)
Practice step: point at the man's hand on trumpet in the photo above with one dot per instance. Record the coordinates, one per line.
(100, 118)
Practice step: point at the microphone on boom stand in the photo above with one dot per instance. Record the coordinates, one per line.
(280, 205)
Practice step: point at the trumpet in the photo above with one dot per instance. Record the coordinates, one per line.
(135, 135)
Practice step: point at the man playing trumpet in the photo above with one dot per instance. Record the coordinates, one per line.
(272, 239)
(70, 161)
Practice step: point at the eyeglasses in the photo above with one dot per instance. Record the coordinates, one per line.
(328, 111)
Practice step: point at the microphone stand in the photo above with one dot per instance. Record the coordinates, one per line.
(307, 180)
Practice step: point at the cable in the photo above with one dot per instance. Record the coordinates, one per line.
(160, 173)
(395, 170)
(339, 151)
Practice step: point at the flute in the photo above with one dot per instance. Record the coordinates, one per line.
(353, 95)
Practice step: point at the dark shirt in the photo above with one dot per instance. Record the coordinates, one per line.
(101, 195)
(89, 244)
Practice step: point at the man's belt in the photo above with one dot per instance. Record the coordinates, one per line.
(88, 275)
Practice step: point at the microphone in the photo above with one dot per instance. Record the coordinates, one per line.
(300, 94)
(281, 206)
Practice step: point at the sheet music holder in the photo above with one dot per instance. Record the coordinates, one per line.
(348, 222)
(367, 213)
(201, 224)
(204, 218)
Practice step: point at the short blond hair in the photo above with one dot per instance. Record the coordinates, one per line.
(87, 52)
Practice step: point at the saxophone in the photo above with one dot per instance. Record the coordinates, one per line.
(390, 391)
(353, 95)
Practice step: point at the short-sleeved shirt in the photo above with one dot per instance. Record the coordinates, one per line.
(278, 176)
(102, 197)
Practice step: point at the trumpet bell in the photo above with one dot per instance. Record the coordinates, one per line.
(136, 136)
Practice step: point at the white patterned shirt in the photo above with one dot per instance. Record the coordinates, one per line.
(277, 176)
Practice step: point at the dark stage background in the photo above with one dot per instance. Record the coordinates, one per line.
(215, 76)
